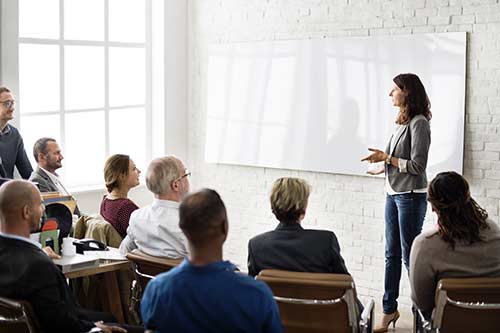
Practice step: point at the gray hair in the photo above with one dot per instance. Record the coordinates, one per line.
(161, 173)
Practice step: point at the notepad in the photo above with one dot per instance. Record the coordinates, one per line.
(76, 262)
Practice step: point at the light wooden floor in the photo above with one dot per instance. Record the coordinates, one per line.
(404, 323)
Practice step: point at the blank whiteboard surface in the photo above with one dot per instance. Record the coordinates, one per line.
(318, 104)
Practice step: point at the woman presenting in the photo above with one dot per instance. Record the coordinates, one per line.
(405, 159)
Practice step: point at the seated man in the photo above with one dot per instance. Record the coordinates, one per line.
(290, 247)
(48, 155)
(12, 151)
(204, 293)
(465, 242)
(154, 229)
(28, 273)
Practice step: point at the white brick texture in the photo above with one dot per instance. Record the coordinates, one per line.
(352, 207)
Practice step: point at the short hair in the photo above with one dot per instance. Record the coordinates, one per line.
(289, 198)
(116, 165)
(161, 173)
(40, 147)
(4, 89)
(460, 218)
(202, 215)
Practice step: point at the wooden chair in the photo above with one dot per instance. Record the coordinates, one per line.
(17, 317)
(464, 305)
(147, 267)
(317, 302)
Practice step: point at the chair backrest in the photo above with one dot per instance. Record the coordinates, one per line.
(147, 267)
(314, 302)
(467, 305)
(17, 317)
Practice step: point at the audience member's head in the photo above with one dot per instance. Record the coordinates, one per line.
(289, 198)
(47, 154)
(167, 178)
(20, 207)
(7, 103)
(120, 172)
(460, 218)
(203, 218)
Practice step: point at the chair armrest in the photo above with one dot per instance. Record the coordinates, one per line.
(424, 324)
(365, 322)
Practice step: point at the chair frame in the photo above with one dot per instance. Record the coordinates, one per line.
(364, 325)
(434, 325)
(24, 314)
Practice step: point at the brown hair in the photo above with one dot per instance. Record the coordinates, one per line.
(416, 100)
(116, 165)
(289, 198)
(4, 89)
(460, 218)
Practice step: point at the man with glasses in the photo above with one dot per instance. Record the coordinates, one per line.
(12, 151)
(154, 229)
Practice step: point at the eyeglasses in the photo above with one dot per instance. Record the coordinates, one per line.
(186, 174)
(8, 104)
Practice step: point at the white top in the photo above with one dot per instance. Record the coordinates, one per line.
(401, 164)
(154, 230)
(56, 181)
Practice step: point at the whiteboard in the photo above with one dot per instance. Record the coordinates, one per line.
(318, 104)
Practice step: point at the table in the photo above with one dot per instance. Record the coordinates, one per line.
(109, 270)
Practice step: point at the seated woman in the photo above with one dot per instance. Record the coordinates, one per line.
(465, 243)
(291, 247)
(120, 175)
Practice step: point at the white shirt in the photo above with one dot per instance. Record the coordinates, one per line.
(61, 189)
(154, 230)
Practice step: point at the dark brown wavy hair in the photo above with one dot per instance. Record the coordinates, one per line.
(460, 218)
(416, 100)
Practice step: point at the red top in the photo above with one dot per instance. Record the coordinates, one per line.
(117, 212)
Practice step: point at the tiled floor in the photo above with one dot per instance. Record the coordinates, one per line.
(405, 322)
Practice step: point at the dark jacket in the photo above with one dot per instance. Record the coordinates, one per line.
(293, 248)
(27, 273)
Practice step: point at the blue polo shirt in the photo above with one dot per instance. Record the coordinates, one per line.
(211, 298)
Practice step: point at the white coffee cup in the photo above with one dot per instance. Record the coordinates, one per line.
(68, 248)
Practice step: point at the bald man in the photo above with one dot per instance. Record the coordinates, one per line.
(205, 294)
(27, 272)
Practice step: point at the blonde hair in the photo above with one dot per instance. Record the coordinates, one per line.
(116, 165)
(289, 198)
(161, 173)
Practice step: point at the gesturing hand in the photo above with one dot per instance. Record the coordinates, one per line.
(109, 329)
(376, 156)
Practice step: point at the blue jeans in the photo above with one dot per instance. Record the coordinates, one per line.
(404, 217)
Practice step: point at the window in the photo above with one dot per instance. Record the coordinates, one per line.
(86, 78)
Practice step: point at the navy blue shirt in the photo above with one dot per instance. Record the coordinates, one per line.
(211, 298)
(12, 154)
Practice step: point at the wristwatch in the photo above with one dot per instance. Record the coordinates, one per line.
(388, 160)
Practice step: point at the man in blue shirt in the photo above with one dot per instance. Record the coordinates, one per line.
(204, 293)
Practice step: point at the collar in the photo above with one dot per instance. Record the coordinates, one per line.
(218, 266)
(289, 226)
(165, 203)
(50, 174)
(5, 130)
(24, 239)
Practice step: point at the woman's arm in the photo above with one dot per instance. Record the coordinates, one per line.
(420, 142)
(422, 276)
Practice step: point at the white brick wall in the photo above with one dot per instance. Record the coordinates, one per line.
(350, 206)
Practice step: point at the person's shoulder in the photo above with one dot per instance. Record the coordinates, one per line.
(419, 120)
(427, 237)
(263, 237)
(250, 284)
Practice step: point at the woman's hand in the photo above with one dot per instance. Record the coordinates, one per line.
(376, 156)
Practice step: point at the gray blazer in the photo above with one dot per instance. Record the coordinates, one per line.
(45, 184)
(412, 146)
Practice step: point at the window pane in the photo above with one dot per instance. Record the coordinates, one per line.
(127, 67)
(84, 19)
(127, 20)
(84, 77)
(39, 19)
(84, 150)
(36, 127)
(127, 134)
(38, 77)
